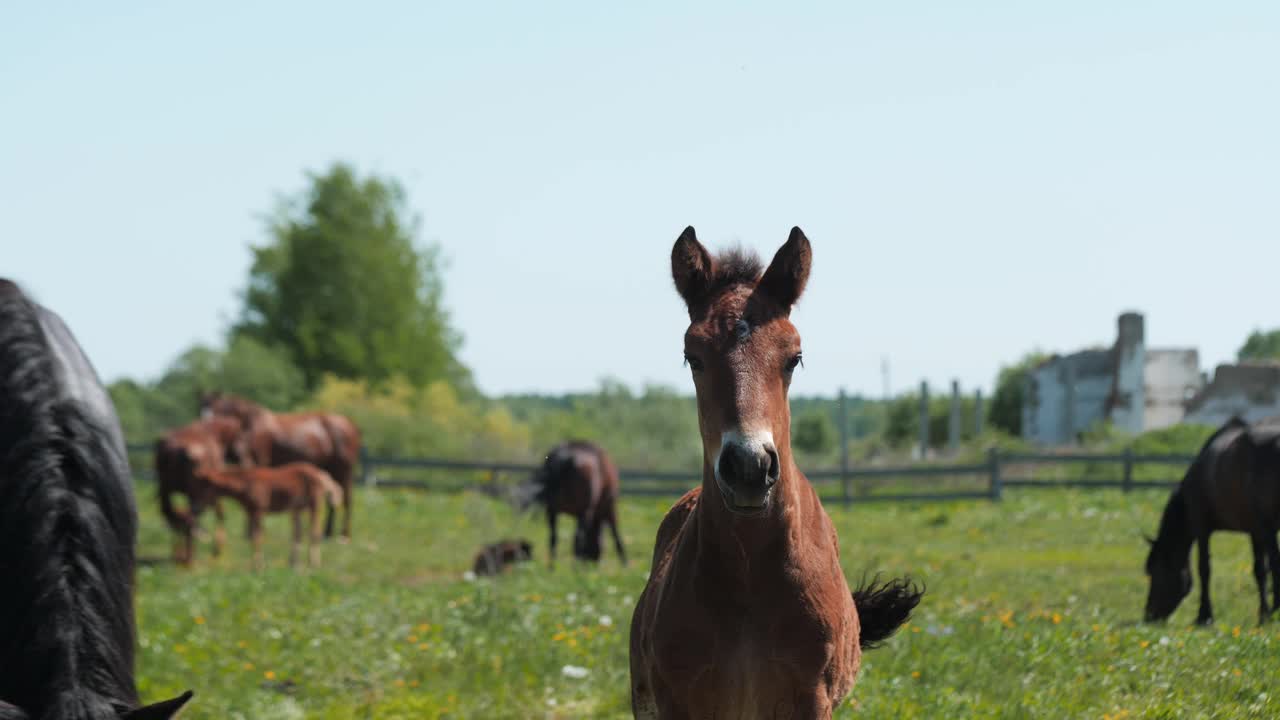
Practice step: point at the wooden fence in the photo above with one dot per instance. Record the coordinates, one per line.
(847, 485)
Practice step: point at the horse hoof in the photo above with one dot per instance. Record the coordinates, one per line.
(1204, 621)
(344, 540)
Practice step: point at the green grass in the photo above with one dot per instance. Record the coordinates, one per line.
(1029, 614)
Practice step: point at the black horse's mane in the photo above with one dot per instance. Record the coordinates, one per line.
(67, 532)
(1175, 530)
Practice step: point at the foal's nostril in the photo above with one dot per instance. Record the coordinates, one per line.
(727, 467)
(771, 476)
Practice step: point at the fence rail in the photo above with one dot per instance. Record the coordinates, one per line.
(907, 483)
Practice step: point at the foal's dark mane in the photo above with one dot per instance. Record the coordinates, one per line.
(67, 532)
(735, 266)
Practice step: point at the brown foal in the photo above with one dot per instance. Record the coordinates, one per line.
(747, 613)
(294, 488)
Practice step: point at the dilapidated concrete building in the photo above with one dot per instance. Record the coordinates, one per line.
(1134, 387)
(1250, 390)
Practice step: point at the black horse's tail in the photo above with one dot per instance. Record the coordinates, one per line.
(534, 491)
(883, 608)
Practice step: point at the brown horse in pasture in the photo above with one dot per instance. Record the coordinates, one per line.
(578, 478)
(293, 488)
(178, 454)
(68, 531)
(747, 613)
(1233, 484)
(327, 440)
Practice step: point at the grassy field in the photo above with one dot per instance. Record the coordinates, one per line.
(1030, 614)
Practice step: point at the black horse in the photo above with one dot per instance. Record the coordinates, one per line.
(1233, 484)
(68, 525)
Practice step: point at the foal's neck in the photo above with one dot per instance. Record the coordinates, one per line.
(230, 481)
(750, 547)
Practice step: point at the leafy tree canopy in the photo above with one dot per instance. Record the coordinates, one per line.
(1260, 346)
(344, 288)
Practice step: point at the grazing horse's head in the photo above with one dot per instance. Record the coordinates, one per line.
(742, 349)
(1169, 562)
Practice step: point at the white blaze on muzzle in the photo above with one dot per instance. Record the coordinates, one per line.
(756, 442)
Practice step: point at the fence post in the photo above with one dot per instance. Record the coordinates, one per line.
(367, 476)
(1127, 485)
(993, 463)
(844, 449)
(953, 422)
(977, 413)
(924, 419)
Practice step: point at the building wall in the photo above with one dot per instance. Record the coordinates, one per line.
(1250, 391)
(1172, 377)
(1066, 395)
(1129, 400)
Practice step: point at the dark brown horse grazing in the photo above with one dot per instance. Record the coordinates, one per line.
(747, 613)
(68, 531)
(578, 478)
(178, 454)
(293, 488)
(1233, 484)
(327, 440)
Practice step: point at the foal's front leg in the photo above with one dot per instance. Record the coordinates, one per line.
(1205, 616)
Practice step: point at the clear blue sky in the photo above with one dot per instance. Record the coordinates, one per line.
(976, 178)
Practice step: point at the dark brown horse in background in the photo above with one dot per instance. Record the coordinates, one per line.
(1234, 485)
(327, 440)
(578, 478)
(747, 612)
(178, 455)
(68, 531)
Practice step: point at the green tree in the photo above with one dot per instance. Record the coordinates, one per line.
(344, 288)
(902, 424)
(260, 372)
(247, 368)
(813, 433)
(1006, 404)
(1260, 346)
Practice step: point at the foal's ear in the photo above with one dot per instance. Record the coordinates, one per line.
(785, 279)
(691, 267)
(162, 710)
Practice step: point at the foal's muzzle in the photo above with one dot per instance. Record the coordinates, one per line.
(747, 470)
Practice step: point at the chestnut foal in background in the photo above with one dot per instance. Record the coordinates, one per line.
(294, 488)
(747, 613)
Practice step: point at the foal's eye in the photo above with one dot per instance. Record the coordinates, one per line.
(694, 363)
(796, 360)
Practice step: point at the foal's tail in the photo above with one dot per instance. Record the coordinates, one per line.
(883, 608)
(329, 488)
